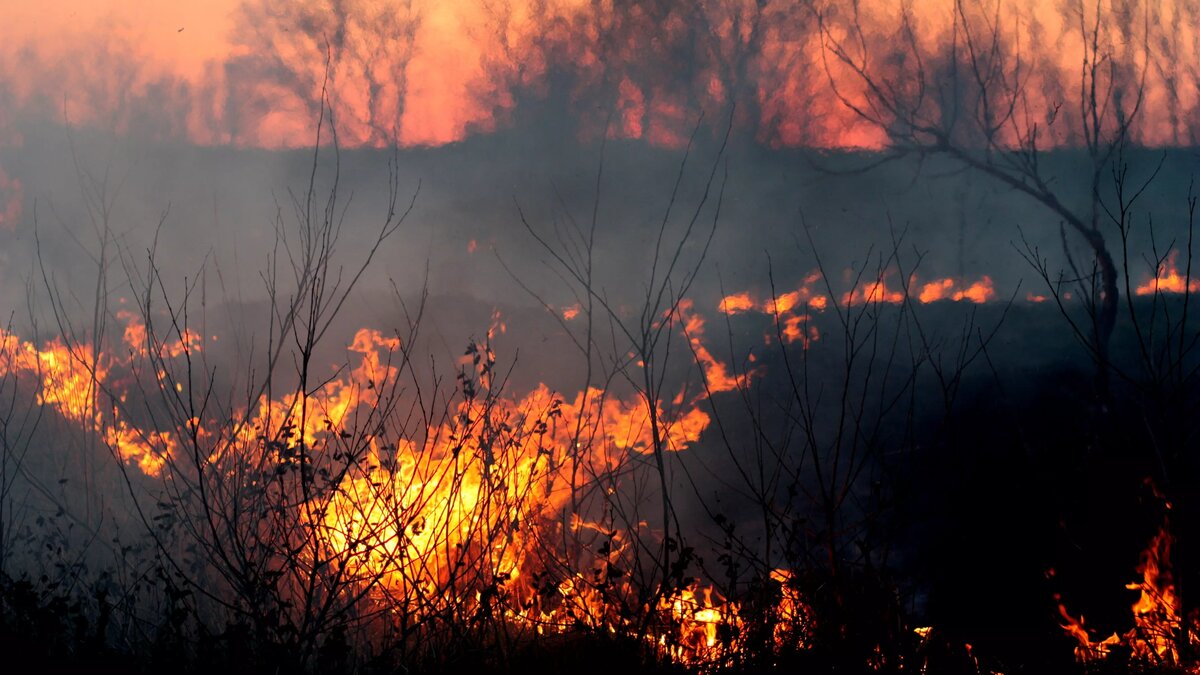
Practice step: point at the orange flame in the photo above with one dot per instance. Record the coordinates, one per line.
(873, 292)
(69, 379)
(737, 303)
(1168, 279)
(1158, 625)
(463, 485)
(978, 292)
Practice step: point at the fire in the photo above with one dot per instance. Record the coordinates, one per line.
(800, 329)
(700, 620)
(69, 379)
(134, 336)
(878, 291)
(795, 310)
(484, 490)
(1168, 279)
(737, 303)
(1158, 625)
(716, 374)
(873, 292)
(977, 292)
(467, 515)
(792, 309)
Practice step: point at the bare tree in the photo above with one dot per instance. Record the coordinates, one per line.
(970, 100)
(356, 50)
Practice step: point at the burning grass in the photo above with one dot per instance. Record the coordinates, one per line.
(507, 520)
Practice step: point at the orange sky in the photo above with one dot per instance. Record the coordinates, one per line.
(182, 38)
(456, 86)
(153, 24)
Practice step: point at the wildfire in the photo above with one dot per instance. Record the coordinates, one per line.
(485, 490)
(716, 374)
(878, 291)
(468, 515)
(134, 336)
(1168, 279)
(737, 303)
(804, 297)
(795, 310)
(978, 292)
(873, 292)
(792, 310)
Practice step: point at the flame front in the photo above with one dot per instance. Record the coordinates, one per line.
(467, 516)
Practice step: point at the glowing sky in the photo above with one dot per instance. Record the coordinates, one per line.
(187, 69)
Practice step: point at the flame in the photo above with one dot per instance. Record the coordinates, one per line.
(978, 292)
(737, 303)
(877, 291)
(69, 379)
(466, 516)
(800, 329)
(1158, 625)
(1168, 279)
(716, 374)
(135, 337)
(792, 309)
(483, 489)
(873, 293)
(699, 621)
